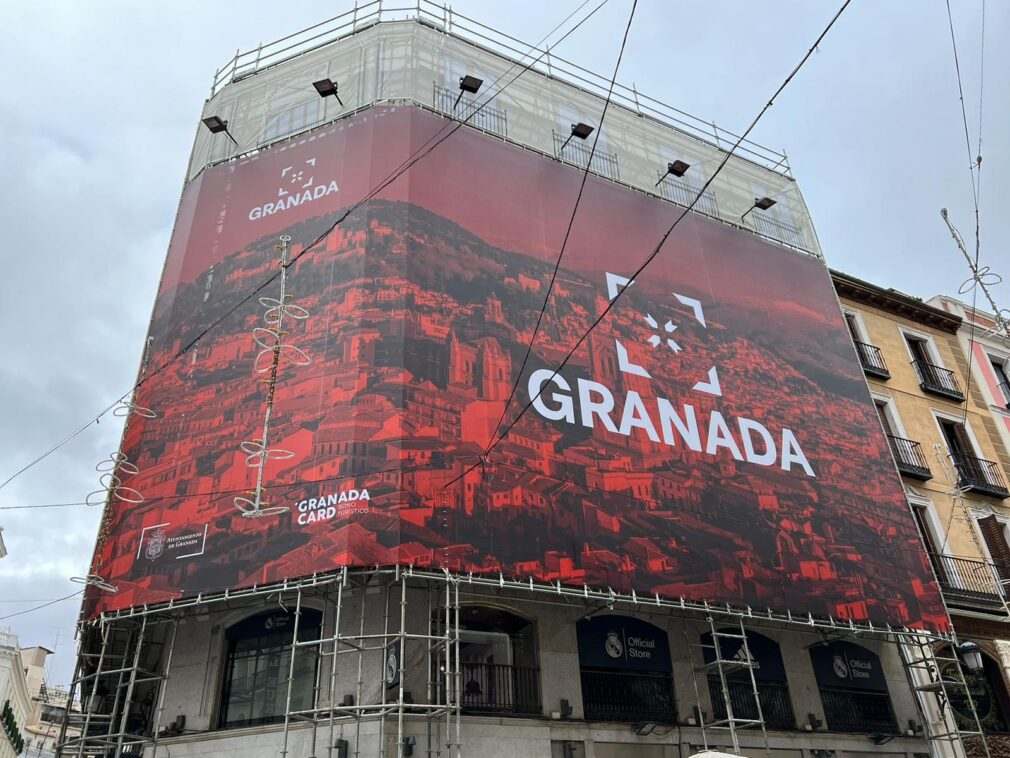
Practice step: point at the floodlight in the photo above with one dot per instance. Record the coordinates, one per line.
(677, 168)
(216, 124)
(468, 84)
(644, 727)
(579, 130)
(761, 203)
(327, 87)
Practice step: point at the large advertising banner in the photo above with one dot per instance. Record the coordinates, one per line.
(713, 439)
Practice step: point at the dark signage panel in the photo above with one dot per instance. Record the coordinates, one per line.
(765, 655)
(623, 643)
(847, 666)
(712, 439)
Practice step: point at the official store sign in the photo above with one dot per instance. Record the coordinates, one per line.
(623, 643)
(844, 665)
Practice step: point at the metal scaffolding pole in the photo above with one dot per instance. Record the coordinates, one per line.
(129, 688)
(333, 665)
(162, 687)
(291, 671)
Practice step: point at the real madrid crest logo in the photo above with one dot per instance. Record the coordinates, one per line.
(840, 667)
(613, 645)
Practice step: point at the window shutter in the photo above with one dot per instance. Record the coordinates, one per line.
(995, 540)
(882, 414)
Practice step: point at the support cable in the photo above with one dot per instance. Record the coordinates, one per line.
(659, 246)
(568, 231)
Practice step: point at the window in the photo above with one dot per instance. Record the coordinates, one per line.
(973, 472)
(994, 535)
(499, 672)
(626, 670)
(908, 455)
(257, 667)
(999, 369)
(853, 689)
(933, 377)
(769, 673)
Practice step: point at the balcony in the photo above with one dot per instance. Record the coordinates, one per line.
(778, 230)
(909, 458)
(500, 689)
(619, 696)
(774, 696)
(938, 381)
(981, 477)
(872, 360)
(683, 193)
(970, 584)
(578, 152)
(492, 120)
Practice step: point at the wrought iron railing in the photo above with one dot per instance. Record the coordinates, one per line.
(493, 120)
(909, 457)
(969, 579)
(938, 380)
(854, 711)
(871, 359)
(778, 230)
(578, 152)
(776, 708)
(617, 696)
(499, 688)
(980, 476)
(683, 193)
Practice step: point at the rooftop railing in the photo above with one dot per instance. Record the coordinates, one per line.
(683, 193)
(442, 17)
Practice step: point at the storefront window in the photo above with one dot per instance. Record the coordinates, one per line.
(769, 673)
(626, 670)
(853, 689)
(258, 664)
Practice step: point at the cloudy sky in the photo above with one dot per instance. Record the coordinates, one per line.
(100, 101)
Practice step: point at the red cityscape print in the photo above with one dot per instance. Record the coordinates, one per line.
(423, 301)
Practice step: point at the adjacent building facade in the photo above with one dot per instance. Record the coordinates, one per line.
(943, 423)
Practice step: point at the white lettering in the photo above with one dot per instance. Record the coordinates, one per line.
(291, 201)
(719, 436)
(635, 415)
(688, 431)
(565, 410)
(747, 426)
(791, 453)
(591, 407)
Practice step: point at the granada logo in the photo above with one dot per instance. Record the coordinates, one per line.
(674, 423)
(297, 186)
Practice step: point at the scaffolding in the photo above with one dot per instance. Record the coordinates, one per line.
(125, 663)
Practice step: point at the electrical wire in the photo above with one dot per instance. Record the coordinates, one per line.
(44, 605)
(568, 231)
(406, 165)
(664, 237)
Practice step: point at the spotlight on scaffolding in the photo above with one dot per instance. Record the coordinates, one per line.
(326, 88)
(881, 739)
(468, 84)
(580, 130)
(408, 745)
(216, 125)
(644, 727)
(761, 203)
(677, 168)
